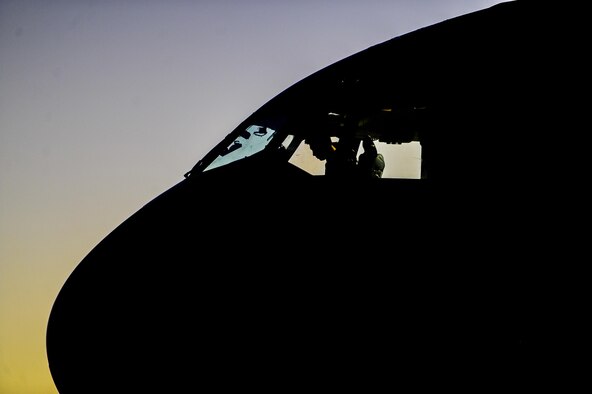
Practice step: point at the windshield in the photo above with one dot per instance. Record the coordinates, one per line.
(250, 141)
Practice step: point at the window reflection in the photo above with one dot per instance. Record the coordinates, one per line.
(252, 140)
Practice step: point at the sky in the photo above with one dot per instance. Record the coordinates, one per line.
(106, 104)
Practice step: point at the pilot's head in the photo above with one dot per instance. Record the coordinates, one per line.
(321, 146)
(369, 147)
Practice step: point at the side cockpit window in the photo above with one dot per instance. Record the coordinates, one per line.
(401, 160)
(398, 160)
(367, 142)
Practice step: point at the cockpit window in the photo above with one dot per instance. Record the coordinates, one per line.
(402, 161)
(251, 140)
(376, 140)
(392, 137)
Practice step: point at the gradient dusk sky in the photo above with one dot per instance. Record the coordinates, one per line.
(106, 104)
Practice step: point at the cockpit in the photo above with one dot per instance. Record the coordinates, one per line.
(395, 132)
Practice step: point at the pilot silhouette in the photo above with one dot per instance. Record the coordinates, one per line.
(370, 162)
